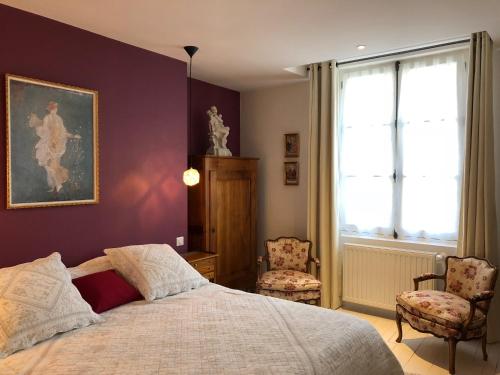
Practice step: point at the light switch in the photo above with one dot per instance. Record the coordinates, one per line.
(179, 241)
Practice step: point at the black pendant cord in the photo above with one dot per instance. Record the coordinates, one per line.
(189, 114)
(190, 50)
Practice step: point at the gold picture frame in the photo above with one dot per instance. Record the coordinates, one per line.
(52, 160)
(291, 172)
(292, 145)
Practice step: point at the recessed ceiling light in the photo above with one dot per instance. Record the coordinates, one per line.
(361, 47)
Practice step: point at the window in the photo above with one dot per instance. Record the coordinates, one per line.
(401, 144)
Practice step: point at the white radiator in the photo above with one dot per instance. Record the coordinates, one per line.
(373, 275)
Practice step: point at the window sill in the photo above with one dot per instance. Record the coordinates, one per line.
(446, 247)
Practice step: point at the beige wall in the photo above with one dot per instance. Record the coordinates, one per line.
(266, 115)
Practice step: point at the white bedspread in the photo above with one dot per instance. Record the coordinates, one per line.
(213, 330)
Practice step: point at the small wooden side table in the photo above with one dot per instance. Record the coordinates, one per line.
(204, 263)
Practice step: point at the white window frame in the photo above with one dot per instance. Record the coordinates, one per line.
(400, 237)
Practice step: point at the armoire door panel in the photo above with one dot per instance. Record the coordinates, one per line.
(212, 212)
(233, 238)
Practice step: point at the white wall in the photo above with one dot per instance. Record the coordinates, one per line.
(266, 115)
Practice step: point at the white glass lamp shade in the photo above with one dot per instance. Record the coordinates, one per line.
(191, 177)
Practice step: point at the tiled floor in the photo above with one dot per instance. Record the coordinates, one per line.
(424, 354)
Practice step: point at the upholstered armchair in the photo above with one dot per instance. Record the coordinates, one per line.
(457, 313)
(288, 273)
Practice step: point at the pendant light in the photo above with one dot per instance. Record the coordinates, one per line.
(191, 176)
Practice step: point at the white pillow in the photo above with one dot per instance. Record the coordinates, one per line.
(94, 265)
(155, 270)
(38, 300)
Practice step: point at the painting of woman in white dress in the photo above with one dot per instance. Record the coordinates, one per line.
(52, 139)
(52, 146)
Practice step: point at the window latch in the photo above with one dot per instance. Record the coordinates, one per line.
(394, 176)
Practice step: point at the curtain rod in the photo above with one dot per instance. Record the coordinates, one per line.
(418, 49)
(466, 40)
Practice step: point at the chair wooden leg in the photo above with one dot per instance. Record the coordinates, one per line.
(400, 329)
(484, 340)
(452, 346)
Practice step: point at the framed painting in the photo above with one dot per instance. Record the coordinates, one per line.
(292, 145)
(291, 173)
(52, 144)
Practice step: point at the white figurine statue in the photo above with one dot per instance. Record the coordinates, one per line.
(218, 134)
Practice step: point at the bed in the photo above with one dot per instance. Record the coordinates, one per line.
(212, 330)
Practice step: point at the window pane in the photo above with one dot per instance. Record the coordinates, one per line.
(430, 206)
(368, 97)
(430, 148)
(428, 91)
(367, 204)
(367, 149)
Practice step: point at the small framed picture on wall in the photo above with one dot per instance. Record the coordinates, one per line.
(292, 145)
(291, 172)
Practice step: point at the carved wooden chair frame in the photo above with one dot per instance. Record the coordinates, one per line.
(310, 260)
(484, 296)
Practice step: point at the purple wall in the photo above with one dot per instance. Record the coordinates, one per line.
(227, 102)
(143, 144)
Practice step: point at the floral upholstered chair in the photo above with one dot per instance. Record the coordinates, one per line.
(288, 271)
(459, 312)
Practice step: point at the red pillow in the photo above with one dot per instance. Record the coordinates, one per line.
(105, 290)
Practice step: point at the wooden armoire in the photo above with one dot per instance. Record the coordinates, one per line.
(222, 217)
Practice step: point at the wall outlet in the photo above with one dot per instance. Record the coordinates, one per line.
(179, 241)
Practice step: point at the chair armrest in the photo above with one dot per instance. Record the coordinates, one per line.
(317, 263)
(426, 276)
(481, 296)
(474, 300)
(260, 259)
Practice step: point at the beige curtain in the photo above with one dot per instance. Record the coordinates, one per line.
(322, 223)
(478, 217)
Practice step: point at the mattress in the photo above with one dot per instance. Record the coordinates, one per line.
(213, 330)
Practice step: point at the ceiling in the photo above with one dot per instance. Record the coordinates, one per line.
(247, 44)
